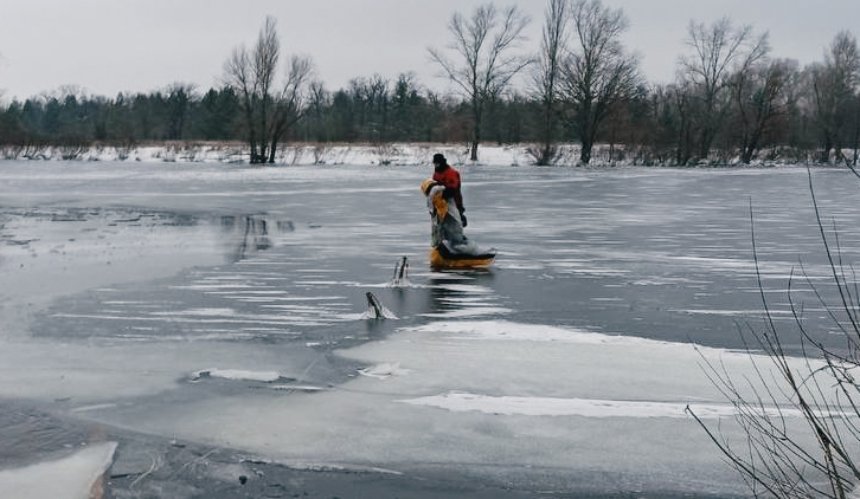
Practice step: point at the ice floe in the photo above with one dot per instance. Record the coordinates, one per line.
(476, 389)
(72, 477)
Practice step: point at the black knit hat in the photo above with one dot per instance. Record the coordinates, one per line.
(438, 159)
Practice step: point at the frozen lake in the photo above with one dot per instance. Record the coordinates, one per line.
(222, 307)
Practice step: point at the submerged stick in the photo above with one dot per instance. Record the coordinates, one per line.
(404, 265)
(374, 308)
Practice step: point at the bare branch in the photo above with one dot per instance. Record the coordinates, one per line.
(486, 66)
(597, 74)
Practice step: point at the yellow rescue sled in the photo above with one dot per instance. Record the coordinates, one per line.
(440, 258)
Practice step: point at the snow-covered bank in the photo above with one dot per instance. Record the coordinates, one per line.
(73, 477)
(404, 154)
(299, 154)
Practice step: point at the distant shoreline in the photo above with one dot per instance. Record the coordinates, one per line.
(394, 154)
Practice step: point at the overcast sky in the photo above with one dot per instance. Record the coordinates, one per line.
(107, 46)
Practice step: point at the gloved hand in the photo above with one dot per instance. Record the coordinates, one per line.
(463, 219)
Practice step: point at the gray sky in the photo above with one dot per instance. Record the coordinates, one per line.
(107, 46)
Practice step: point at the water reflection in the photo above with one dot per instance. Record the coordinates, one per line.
(249, 234)
(179, 220)
(454, 293)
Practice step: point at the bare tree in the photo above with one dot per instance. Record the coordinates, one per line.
(834, 84)
(252, 74)
(661, 138)
(319, 102)
(2, 91)
(379, 104)
(265, 63)
(717, 50)
(684, 107)
(289, 104)
(761, 95)
(483, 43)
(238, 75)
(179, 97)
(598, 73)
(546, 77)
(855, 136)
(405, 100)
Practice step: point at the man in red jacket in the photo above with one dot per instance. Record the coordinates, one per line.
(446, 175)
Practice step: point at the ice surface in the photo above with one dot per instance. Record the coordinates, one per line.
(107, 371)
(73, 477)
(570, 361)
(64, 257)
(526, 394)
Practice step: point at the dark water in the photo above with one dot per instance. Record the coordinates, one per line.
(664, 254)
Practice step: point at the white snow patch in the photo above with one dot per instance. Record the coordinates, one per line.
(329, 283)
(472, 300)
(94, 407)
(200, 312)
(524, 265)
(590, 408)
(237, 375)
(73, 477)
(665, 281)
(323, 467)
(298, 388)
(466, 288)
(446, 276)
(213, 287)
(514, 331)
(383, 371)
(470, 312)
(731, 313)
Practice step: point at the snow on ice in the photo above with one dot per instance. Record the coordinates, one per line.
(72, 477)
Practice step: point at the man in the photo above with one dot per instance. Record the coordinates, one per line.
(446, 175)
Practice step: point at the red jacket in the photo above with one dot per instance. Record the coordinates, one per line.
(450, 178)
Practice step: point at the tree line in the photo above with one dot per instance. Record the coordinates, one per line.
(730, 101)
